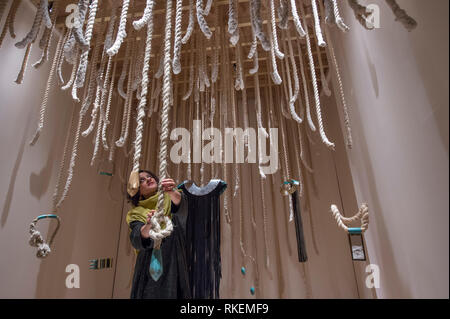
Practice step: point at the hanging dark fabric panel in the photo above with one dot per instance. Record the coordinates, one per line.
(302, 257)
(203, 237)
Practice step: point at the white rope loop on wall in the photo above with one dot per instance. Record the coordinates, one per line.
(342, 221)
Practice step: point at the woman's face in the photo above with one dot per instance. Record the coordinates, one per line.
(147, 184)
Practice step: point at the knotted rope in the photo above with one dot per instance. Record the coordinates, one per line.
(362, 215)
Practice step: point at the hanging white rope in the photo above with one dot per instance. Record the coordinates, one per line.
(201, 20)
(47, 91)
(283, 14)
(349, 139)
(124, 72)
(255, 17)
(32, 34)
(296, 81)
(190, 27)
(121, 33)
(337, 17)
(143, 101)
(317, 27)
(176, 65)
(316, 89)
(46, 39)
(156, 233)
(108, 108)
(295, 17)
(81, 73)
(279, 54)
(26, 56)
(233, 23)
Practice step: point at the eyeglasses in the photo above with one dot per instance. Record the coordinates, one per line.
(144, 179)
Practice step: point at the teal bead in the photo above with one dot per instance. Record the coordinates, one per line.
(252, 290)
(243, 270)
(156, 265)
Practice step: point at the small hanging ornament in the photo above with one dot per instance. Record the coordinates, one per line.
(133, 183)
(354, 234)
(36, 239)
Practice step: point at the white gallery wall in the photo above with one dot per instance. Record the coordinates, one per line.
(396, 84)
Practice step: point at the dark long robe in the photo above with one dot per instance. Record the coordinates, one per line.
(173, 283)
(203, 237)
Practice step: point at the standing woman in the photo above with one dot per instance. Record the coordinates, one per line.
(173, 283)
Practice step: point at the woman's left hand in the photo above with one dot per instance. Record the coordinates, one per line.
(167, 184)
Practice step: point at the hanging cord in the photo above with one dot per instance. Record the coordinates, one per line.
(362, 215)
(235, 125)
(81, 72)
(9, 21)
(85, 105)
(3, 5)
(102, 117)
(20, 76)
(190, 27)
(279, 54)
(285, 98)
(274, 74)
(401, 15)
(283, 14)
(156, 233)
(139, 24)
(72, 74)
(337, 17)
(32, 34)
(239, 81)
(316, 89)
(349, 139)
(98, 94)
(233, 23)
(201, 19)
(323, 78)
(295, 17)
(255, 17)
(46, 93)
(121, 33)
(305, 89)
(254, 54)
(108, 108)
(55, 202)
(133, 185)
(124, 71)
(78, 28)
(46, 39)
(317, 28)
(62, 58)
(176, 65)
(294, 98)
(191, 74)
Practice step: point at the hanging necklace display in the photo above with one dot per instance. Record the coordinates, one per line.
(355, 233)
(36, 239)
(290, 188)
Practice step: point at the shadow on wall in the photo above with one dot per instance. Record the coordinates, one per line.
(40, 182)
(12, 182)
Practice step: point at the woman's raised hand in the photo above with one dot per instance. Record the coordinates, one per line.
(167, 184)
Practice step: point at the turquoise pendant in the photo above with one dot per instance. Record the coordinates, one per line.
(156, 265)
